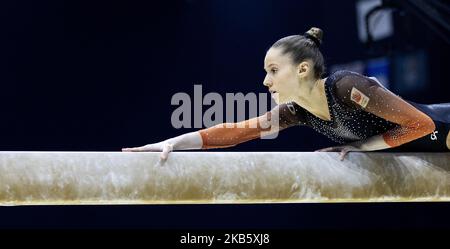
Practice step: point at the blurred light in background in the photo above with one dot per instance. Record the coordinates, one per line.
(381, 25)
(410, 73)
(355, 66)
(379, 68)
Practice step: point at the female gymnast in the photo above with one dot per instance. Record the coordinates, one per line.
(351, 109)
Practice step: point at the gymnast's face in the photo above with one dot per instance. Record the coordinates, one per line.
(281, 76)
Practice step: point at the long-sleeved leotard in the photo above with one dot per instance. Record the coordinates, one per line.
(230, 134)
(360, 108)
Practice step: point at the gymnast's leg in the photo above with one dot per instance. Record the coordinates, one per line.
(439, 112)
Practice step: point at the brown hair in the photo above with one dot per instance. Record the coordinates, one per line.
(303, 47)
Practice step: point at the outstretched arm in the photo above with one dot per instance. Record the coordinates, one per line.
(228, 134)
(231, 134)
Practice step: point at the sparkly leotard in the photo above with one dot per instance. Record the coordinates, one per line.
(360, 107)
(347, 124)
(350, 123)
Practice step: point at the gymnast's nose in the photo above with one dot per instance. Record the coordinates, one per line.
(267, 82)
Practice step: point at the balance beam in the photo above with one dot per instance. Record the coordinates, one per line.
(64, 178)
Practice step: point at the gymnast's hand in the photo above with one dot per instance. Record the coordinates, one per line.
(188, 141)
(343, 149)
(165, 147)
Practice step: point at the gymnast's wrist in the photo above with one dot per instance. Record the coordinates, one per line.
(188, 141)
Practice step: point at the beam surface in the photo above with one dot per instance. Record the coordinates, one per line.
(63, 178)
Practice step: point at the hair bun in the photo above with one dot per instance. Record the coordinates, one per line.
(315, 34)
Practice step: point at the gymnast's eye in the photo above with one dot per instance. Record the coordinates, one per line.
(273, 70)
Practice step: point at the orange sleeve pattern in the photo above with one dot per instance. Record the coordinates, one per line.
(231, 134)
(374, 98)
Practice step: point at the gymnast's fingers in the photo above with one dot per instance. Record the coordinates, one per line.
(344, 153)
(136, 149)
(167, 148)
(148, 147)
(329, 149)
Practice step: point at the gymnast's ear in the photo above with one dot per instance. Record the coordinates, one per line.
(304, 69)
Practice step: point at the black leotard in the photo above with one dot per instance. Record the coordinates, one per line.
(350, 121)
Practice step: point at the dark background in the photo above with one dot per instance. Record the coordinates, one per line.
(99, 76)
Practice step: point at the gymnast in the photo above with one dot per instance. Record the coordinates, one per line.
(351, 109)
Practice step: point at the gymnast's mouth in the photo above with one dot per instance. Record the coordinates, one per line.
(272, 92)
